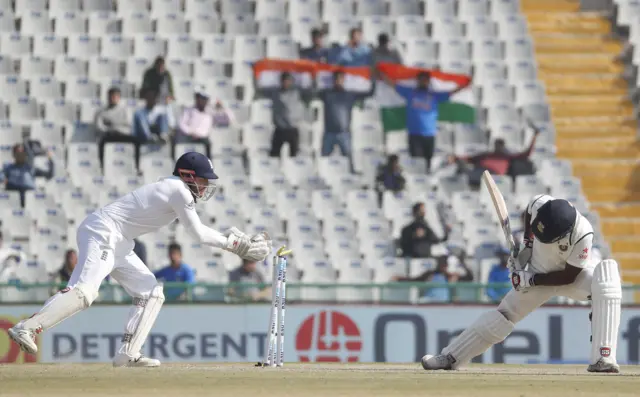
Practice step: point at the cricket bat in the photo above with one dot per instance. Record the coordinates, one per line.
(501, 209)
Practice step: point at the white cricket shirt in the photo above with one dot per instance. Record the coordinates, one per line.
(574, 249)
(155, 205)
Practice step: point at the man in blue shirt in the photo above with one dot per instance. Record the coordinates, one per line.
(422, 114)
(500, 274)
(151, 122)
(177, 271)
(338, 104)
(355, 53)
(317, 52)
(21, 175)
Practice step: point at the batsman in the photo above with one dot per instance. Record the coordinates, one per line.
(555, 261)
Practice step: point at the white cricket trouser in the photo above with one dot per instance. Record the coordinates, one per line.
(517, 305)
(103, 251)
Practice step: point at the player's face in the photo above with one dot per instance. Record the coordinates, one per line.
(205, 188)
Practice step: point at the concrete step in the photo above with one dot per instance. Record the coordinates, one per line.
(596, 143)
(583, 149)
(575, 23)
(569, 109)
(595, 122)
(578, 131)
(608, 210)
(560, 43)
(620, 227)
(578, 63)
(629, 244)
(610, 181)
(549, 6)
(599, 195)
(629, 262)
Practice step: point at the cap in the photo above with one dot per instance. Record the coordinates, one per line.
(196, 164)
(200, 90)
(554, 220)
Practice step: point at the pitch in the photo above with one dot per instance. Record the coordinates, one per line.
(310, 380)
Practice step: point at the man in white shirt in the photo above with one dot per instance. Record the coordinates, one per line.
(556, 260)
(105, 247)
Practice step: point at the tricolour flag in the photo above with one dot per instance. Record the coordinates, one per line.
(268, 71)
(460, 108)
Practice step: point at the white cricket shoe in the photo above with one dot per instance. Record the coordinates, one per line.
(123, 360)
(25, 338)
(605, 367)
(440, 361)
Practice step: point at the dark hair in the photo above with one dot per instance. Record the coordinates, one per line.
(113, 90)
(383, 39)
(316, 32)
(158, 61)
(17, 146)
(422, 75)
(393, 158)
(284, 76)
(175, 247)
(499, 141)
(416, 207)
(337, 73)
(354, 30)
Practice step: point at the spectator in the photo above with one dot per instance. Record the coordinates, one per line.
(383, 53)
(439, 275)
(417, 237)
(338, 103)
(151, 122)
(422, 114)
(317, 52)
(288, 114)
(355, 53)
(500, 273)
(390, 177)
(20, 175)
(498, 162)
(64, 274)
(222, 116)
(10, 259)
(248, 273)
(176, 272)
(196, 122)
(140, 250)
(112, 124)
(158, 80)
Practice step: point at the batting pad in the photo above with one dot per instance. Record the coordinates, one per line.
(141, 319)
(606, 297)
(486, 331)
(68, 302)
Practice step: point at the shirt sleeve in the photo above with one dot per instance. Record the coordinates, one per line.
(184, 206)
(189, 276)
(404, 91)
(184, 126)
(159, 274)
(580, 255)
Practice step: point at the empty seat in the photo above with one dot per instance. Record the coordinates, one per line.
(207, 68)
(272, 26)
(410, 26)
(171, 24)
(32, 66)
(61, 111)
(166, 7)
(270, 9)
(35, 22)
(16, 44)
(438, 9)
(337, 8)
(81, 88)
(239, 25)
(137, 23)
(205, 25)
(194, 8)
(374, 26)
(472, 7)
(500, 8)
(404, 7)
(445, 28)
(7, 21)
(99, 67)
(480, 26)
(519, 48)
(83, 47)
(218, 47)
(64, 6)
(183, 47)
(487, 49)
(70, 23)
(24, 110)
(235, 7)
(117, 47)
(103, 23)
(454, 50)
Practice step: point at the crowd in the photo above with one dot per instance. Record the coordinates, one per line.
(155, 122)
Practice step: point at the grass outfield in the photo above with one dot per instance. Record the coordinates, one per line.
(326, 380)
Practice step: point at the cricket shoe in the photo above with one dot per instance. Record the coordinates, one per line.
(604, 367)
(440, 361)
(25, 338)
(123, 360)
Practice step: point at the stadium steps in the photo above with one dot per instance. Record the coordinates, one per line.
(594, 122)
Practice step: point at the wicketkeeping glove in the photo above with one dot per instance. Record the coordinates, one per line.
(253, 249)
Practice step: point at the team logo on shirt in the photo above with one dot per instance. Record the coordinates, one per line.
(191, 205)
(563, 248)
(540, 227)
(104, 256)
(584, 254)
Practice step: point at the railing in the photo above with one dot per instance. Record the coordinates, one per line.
(391, 292)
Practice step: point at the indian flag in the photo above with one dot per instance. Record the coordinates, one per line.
(460, 108)
(355, 78)
(268, 71)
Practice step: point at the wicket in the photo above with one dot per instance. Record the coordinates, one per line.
(274, 351)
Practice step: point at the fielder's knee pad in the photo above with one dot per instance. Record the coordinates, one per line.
(606, 298)
(87, 292)
(490, 328)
